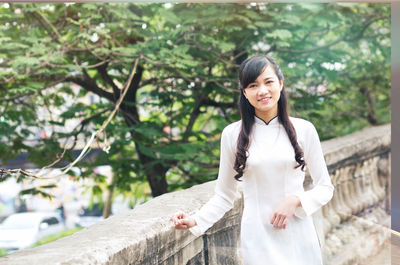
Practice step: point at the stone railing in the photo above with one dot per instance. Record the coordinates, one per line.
(354, 225)
(357, 220)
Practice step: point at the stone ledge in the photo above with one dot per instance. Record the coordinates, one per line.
(341, 148)
(129, 238)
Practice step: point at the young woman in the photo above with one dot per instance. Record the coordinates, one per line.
(268, 151)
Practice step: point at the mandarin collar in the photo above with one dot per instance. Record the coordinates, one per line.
(260, 121)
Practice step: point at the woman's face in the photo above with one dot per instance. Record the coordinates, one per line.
(263, 94)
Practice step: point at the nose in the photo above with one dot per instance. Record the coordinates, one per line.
(263, 89)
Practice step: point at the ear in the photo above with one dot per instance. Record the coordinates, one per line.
(281, 85)
(244, 93)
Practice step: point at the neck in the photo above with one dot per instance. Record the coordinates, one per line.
(267, 116)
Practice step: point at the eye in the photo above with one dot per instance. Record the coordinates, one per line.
(252, 85)
(269, 82)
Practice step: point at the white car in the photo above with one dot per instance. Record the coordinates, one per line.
(21, 230)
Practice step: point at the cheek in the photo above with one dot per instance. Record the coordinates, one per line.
(277, 92)
(251, 98)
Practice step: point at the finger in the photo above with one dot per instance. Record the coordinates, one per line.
(179, 214)
(176, 216)
(181, 227)
(176, 222)
(285, 223)
(277, 221)
(185, 222)
(182, 216)
(273, 219)
(175, 219)
(281, 221)
(178, 225)
(182, 222)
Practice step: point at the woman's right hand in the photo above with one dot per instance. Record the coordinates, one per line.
(183, 221)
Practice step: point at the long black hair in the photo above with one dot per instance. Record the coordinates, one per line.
(249, 70)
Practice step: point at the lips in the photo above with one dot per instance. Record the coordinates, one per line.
(265, 100)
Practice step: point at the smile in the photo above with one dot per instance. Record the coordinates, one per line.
(264, 100)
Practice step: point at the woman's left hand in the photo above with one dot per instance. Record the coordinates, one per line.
(285, 211)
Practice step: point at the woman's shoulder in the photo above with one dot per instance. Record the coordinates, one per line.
(232, 128)
(301, 124)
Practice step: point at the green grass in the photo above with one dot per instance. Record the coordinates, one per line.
(54, 237)
(3, 252)
(47, 239)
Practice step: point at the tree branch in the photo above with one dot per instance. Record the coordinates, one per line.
(193, 116)
(365, 27)
(166, 66)
(51, 30)
(210, 102)
(343, 38)
(102, 70)
(90, 85)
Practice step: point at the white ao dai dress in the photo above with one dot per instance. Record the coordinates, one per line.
(269, 177)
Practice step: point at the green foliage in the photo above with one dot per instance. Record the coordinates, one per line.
(54, 57)
(56, 236)
(3, 252)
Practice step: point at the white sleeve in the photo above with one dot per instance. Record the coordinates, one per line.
(322, 191)
(225, 189)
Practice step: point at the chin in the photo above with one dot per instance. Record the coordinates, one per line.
(265, 108)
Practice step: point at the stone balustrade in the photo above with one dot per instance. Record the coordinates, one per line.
(357, 220)
(351, 227)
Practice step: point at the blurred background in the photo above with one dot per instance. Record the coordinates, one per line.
(63, 67)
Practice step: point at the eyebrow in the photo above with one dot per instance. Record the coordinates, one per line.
(270, 77)
(265, 79)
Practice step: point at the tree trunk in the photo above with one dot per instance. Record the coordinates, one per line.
(154, 170)
(155, 173)
(371, 117)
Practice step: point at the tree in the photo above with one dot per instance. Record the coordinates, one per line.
(335, 58)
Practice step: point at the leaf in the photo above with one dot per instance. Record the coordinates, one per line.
(280, 33)
(169, 16)
(146, 151)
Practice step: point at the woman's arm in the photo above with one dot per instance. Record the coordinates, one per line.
(322, 191)
(225, 189)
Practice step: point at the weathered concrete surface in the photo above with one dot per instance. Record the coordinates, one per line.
(350, 227)
(357, 220)
(144, 235)
(361, 144)
(383, 257)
